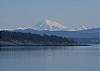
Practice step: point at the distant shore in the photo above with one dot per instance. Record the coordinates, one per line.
(35, 47)
(7, 43)
(46, 45)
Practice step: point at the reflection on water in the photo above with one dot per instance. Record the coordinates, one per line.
(58, 58)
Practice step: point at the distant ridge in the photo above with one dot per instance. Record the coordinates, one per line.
(87, 36)
(89, 33)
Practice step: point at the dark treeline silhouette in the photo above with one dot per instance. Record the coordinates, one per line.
(30, 39)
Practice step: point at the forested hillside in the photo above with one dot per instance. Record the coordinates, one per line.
(19, 38)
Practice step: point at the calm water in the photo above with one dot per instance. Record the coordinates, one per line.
(69, 58)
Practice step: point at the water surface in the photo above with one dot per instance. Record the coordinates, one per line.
(54, 58)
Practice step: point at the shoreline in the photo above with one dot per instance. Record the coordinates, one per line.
(49, 45)
(15, 47)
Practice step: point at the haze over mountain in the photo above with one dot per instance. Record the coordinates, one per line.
(26, 13)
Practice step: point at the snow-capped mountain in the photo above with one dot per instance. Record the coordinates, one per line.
(49, 25)
(82, 27)
(56, 26)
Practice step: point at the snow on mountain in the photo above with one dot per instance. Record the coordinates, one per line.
(49, 25)
(56, 26)
(82, 27)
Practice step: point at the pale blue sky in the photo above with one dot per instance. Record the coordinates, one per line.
(26, 13)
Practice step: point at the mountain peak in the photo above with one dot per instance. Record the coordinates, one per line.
(49, 25)
(54, 25)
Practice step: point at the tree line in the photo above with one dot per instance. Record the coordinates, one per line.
(33, 38)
